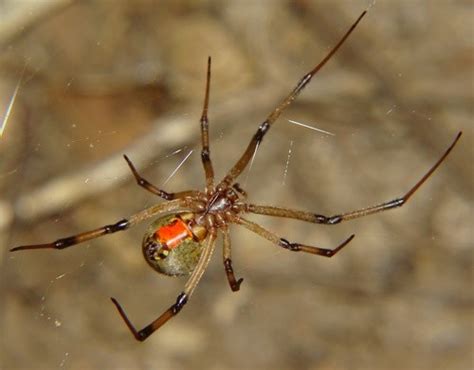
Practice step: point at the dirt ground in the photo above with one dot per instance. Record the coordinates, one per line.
(94, 80)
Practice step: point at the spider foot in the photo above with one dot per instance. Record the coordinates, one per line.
(296, 247)
(234, 284)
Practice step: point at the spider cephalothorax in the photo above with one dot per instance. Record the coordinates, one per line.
(181, 241)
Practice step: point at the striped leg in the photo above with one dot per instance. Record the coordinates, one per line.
(153, 189)
(205, 152)
(332, 220)
(294, 247)
(265, 126)
(108, 229)
(233, 282)
(182, 298)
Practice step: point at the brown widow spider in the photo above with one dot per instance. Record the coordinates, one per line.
(182, 241)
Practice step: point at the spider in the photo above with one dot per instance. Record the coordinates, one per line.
(182, 239)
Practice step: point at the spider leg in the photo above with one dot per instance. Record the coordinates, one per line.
(272, 117)
(205, 153)
(294, 247)
(182, 298)
(332, 220)
(234, 284)
(108, 229)
(153, 189)
(144, 333)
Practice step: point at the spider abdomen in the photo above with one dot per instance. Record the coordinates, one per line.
(171, 244)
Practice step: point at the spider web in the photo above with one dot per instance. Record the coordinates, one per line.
(381, 97)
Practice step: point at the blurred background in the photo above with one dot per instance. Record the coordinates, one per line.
(88, 81)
